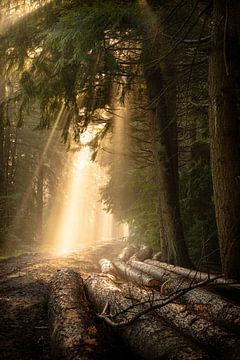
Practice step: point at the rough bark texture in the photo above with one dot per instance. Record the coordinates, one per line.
(157, 256)
(129, 273)
(73, 333)
(224, 131)
(218, 308)
(192, 274)
(160, 79)
(145, 252)
(127, 252)
(107, 267)
(223, 344)
(149, 338)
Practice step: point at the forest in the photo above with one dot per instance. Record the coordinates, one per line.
(120, 123)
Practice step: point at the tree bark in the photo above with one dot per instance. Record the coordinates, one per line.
(127, 252)
(148, 337)
(220, 342)
(2, 133)
(145, 252)
(160, 79)
(107, 267)
(192, 274)
(217, 307)
(72, 330)
(224, 131)
(129, 273)
(157, 256)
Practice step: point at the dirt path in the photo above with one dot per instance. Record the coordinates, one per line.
(24, 332)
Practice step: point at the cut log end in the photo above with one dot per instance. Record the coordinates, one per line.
(145, 252)
(107, 267)
(127, 252)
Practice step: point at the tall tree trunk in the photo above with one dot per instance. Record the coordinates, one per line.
(224, 132)
(2, 158)
(7, 156)
(2, 163)
(161, 89)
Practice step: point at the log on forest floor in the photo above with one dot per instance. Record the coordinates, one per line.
(157, 256)
(216, 307)
(127, 252)
(223, 344)
(131, 274)
(145, 252)
(72, 329)
(148, 337)
(193, 274)
(107, 267)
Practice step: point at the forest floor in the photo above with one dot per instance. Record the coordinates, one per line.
(24, 290)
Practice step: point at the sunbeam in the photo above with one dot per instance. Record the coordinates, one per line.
(79, 218)
(20, 212)
(19, 12)
(82, 219)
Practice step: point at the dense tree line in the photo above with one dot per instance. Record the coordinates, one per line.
(166, 63)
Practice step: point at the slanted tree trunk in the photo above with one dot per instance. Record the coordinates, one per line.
(224, 131)
(160, 79)
(148, 337)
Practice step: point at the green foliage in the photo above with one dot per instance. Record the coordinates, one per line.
(197, 206)
(64, 55)
(72, 55)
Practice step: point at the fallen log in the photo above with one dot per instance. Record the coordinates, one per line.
(127, 252)
(145, 252)
(224, 344)
(193, 274)
(131, 274)
(72, 330)
(148, 337)
(217, 307)
(107, 267)
(157, 256)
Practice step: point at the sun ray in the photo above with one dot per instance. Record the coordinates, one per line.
(81, 219)
(20, 212)
(18, 12)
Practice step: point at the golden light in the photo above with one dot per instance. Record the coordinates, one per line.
(87, 136)
(20, 212)
(18, 11)
(68, 230)
(82, 220)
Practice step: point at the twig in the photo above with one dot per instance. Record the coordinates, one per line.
(163, 303)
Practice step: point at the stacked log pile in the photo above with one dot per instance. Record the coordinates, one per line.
(148, 337)
(158, 310)
(200, 314)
